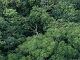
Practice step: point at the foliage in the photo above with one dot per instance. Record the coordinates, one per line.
(39, 20)
(39, 29)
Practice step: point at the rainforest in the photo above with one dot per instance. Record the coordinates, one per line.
(39, 29)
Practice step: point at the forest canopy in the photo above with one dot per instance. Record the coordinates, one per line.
(39, 29)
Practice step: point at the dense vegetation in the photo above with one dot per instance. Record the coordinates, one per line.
(39, 29)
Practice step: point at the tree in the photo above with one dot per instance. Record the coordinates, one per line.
(64, 10)
(64, 52)
(12, 57)
(39, 47)
(39, 20)
(10, 13)
(2, 7)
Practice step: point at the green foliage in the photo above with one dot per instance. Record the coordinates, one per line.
(2, 57)
(3, 24)
(64, 52)
(34, 2)
(38, 46)
(39, 20)
(64, 10)
(2, 7)
(39, 29)
(12, 57)
(9, 13)
(69, 35)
